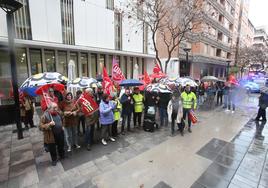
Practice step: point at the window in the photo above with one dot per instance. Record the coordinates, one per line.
(118, 31)
(84, 63)
(73, 57)
(211, 71)
(102, 62)
(36, 61)
(62, 65)
(93, 65)
(67, 21)
(220, 36)
(22, 22)
(145, 38)
(218, 53)
(22, 70)
(50, 61)
(5, 79)
(110, 4)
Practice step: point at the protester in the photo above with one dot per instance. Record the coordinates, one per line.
(231, 97)
(81, 116)
(163, 100)
(70, 121)
(201, 93)
(175, 113)
(138, 106)
(28, 104)
(127, 109)
(263, 104)
(51, 125)
(117, 114)
(189, 103)
(90, 120)
(106, 118)
(219, 89)
(225, 95)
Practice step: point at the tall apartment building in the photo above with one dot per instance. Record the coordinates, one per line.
(260, 37)
(50, 33)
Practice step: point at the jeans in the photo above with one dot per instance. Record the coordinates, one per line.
(187, 112)
(231, 104)
(124, 117)
(173, 119)
(137, 115)
(70, 136)
(29, 118)
(261, 114)
(106, 131)
(163, 116)
(225, 101)
(219, 99)
(88, 137)
(58, 145)
(82, 121)
(201, 99)
(114, 128)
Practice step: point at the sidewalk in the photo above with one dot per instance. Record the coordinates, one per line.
(136, 159)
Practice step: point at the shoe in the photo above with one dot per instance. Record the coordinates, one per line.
(88, 147)
(69, 149)
(77, 146)
(189, 130)
(182, 133)
(33, 126)
(54, 163)
(232, 112)
(112, 139)
(103, 142)
(227, 110)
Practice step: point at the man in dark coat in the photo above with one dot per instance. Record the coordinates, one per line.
(127, 109)
(263, 103)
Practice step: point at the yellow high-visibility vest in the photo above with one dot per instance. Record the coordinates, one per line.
(117, 110)
(138, 102)
(188, 100)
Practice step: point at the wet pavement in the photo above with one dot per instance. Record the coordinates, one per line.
(224, 150)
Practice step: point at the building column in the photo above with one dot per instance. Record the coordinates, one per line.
(28, 62)
(89, 64)
(43, 60)
(56, 60)
(79, 64)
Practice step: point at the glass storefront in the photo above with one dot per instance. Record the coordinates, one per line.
(22, 70)
(62, 65)
(110, 64)
(6, 96)
(84, 63)
(131, 66)
(50, 61)
(93, 65)
(102, 63)
(73, 56)
(36, 61)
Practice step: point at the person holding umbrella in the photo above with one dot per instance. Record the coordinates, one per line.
(189, 103)
(138, 106)
(70, 121)
(127, 109)
(51, 125)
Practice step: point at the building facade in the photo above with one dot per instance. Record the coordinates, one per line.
(50, 33)
(260, 37)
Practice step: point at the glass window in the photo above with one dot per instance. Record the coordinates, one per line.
(5, 79)
(102, 62)
(84, 63)
(93, 65)
(73, 56)
(22, 71)
(110, 64)
(62, 65)
(36, 61)
(50, 60)
(118, 30)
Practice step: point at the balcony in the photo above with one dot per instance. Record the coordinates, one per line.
(222, 10)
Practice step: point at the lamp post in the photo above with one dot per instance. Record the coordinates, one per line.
(11, 6)
(228, 67)
(187, 50)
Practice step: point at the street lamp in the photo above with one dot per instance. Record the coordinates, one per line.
(11, 6)
(228, 67)
(187, 50)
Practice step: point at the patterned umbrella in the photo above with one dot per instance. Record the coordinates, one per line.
(84, 82)
(209, 79)
(187, 81)
(158, 88)
(183, 81)
(41, 79)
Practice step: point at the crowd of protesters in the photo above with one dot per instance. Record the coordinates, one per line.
(63, 120)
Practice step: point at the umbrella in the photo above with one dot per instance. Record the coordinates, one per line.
(55, 86)
(40, 79)
(30, 91)
(131, 82)
(209, 79)
(158, 88)
(84, 82)
(187, 81)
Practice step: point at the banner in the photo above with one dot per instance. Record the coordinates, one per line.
(88, 104)
(117, 74)
(146, 78)
(157, 68)
(107, 83)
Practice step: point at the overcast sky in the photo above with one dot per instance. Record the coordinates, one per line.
(258, 13)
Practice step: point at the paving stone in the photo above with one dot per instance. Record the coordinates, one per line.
(51, 183)
(227, 162)
(3, 184)
(197, 185)
(4, 174)
(116, 157)
(18, 157)
(4, 162)
(206, 153)
(162, 185)
(221, 171)
(243, 182)
(212, 181)
(22, 168)
(233, 186)
(45, 170)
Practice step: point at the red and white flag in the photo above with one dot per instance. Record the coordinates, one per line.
(88, 104)
(157, 69)
(107, 83)
(117, 74)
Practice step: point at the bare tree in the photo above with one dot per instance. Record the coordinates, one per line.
(169, 22)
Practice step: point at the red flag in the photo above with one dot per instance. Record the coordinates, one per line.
(88, 104)
(157, 68)
(146, 78)
(107, 83)
(117, 74)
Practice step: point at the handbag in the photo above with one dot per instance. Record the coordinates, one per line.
(192, 117)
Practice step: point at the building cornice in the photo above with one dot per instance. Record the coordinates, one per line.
(198, 58)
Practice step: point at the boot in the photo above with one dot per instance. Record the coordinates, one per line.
(189, 130)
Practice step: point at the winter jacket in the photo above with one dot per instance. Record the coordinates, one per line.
(106, 112)
(92, 118)
(179, 110)
(127, 107)
(70, 120)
